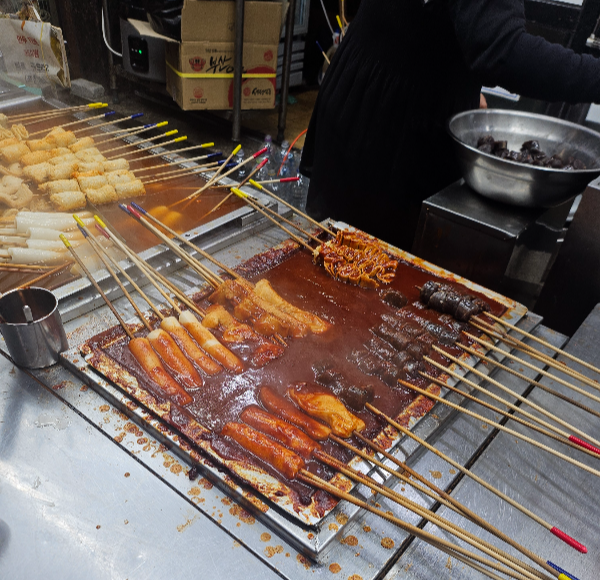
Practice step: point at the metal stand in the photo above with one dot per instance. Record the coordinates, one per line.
(287, 63)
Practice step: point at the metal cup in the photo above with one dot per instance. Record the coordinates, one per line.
(35, 344)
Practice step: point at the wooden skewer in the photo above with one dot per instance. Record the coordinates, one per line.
(536, 354)
(170, 153)
(172, 163)
(94, 244)
(13, 118)
(279, 225)
(255, 170)
(196, 248)
(71, 123)
(126, 132)
(430, 516)
(439, 495)
(95, 284)
(151, 273)
(110, 122)
(546, 344)
(200, 268)
(136, 132)
(138, 143)
(215, 180)
(532, 382)
(256, 204)
(182, 173)
(18, 266)
(564, 439)
(409, 528)
(115, 263)
(214, 177)
(502, 428)
(553, 529)
(46, 275)
(538, 370)
(509, 391)
(302, 214)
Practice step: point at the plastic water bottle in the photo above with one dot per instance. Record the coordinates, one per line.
(241, 173)
(263, 172)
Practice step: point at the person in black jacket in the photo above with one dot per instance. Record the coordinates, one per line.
(377, 144)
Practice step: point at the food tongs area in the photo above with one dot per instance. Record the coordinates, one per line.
(83, 454)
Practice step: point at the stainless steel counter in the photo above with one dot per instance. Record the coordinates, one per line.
(85, 492)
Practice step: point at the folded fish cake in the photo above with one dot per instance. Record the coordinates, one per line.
(130, 189)
(62, 171)
(101, 195)
(120, 176)
(114, 164)
(91, 181)
(13, 153)
(38, 173)
(59, 186)
(68, 200)
(81, 144)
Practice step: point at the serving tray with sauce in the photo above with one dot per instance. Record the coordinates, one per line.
(292, 508)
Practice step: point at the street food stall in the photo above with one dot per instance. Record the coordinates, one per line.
(242, 400)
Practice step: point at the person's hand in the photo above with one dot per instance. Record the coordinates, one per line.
(482, 101)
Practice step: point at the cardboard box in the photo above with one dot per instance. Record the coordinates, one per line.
(200, 67)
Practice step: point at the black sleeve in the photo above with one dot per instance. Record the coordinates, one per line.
(497, 48)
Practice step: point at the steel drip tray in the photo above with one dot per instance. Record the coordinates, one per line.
(314, 538)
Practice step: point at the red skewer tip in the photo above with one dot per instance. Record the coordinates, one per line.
(569, 540)
(584, 444)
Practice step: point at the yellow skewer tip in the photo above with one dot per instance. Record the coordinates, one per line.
(255, 184)
(180, 139)
(171, 132)
(238, 192)
(64, 240)
(207, 145)
(339, 21)
(78, 220)
(563, 577)
(94, 105)
(162, 123)
(236, 149)
(99, 221)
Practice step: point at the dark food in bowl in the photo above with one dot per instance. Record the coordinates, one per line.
(530, 154)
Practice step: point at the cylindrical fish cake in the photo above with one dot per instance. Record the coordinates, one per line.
(91, 182)
(60, 185)
(3, 120)
(100, 195)
(131, 189)
(68, 200)
(114, 164)
(120, 176)
(19, 131)
(13, 153)
(62, 171)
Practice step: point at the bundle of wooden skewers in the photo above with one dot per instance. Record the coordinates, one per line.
(283, 434)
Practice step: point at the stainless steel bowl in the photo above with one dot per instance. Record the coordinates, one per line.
(516, 183)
